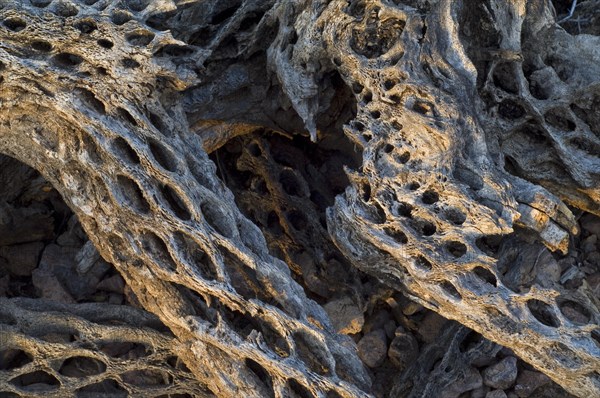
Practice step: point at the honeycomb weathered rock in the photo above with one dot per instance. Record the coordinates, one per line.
(98, 96)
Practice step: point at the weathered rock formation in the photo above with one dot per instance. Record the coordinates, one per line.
(464, 129)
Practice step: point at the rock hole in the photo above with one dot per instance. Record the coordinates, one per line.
(194, 256)
(130, 63)
(574, 312)
(90, 99)
(274, 223)
(217, 219)
(107, 387)
(297, 220)
(404, 158)
(357, 88)
(13, 358)
(430, 197)
(423, 264)
(254, 150)
(124, 113)
(81, 367)
(131, 194)
(41, 46)
(311, 353)
(244, 279)
(413, 186)
(290, 183)
(14, 24)
(366, 192)
(368, 97)
(297, 390)
(422, 107)
(121, 17)
(455, 216)
(555, 118)
(375, 114)
(457, 249)
(367, 137)
(158, 251)
(489, 244)
(162, 155)
(450, 289)
(158, 123)
(542, 312)
(67, 60)
(404, 209)
(175, 203)
(104, 43)
(424, 227)
(36, 381)
(378, 214)
(396, 99)
(486, 276)
(262, 376)
(398, 236)
(140, 37)
(124, 151)
(91, 149)
(358, 126)
(146, 378)
(509, 109)
(389, 84)
(504, 77)
(124, 350)
(388, 148)
(86, 26)
(174, 50)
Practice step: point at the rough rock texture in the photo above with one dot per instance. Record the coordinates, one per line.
(472, 121)
(58, 350)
